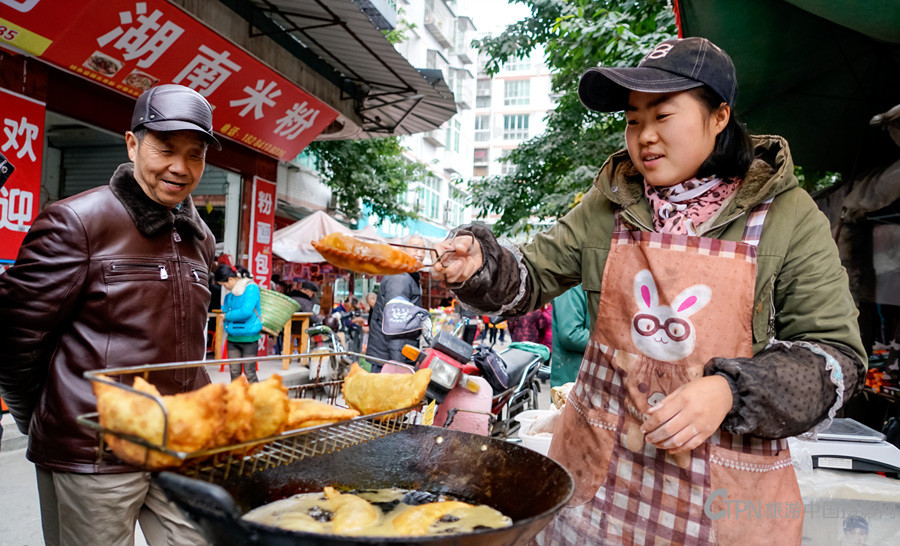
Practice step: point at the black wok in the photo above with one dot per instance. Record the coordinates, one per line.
(521, 483)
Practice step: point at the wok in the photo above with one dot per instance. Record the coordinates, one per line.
(521, 483)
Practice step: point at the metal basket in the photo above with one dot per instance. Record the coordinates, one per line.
(242, 459)
(276, 310)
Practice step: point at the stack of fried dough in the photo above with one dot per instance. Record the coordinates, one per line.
(212, 416)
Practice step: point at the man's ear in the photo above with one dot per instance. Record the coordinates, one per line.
(131, 142)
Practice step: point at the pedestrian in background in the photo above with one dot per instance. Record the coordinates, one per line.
(571, 325)
(405, 285)
(243, 322)
(114, 276)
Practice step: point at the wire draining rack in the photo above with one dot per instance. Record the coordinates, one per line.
(242, 459)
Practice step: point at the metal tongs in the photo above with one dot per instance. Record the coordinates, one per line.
(438, 258)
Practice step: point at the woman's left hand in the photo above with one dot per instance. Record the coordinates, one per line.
(687, 417)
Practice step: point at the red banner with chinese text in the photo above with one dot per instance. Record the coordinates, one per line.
(262, 225)
(21, 152)
(130, 45)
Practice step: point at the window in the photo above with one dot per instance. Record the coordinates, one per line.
(516, 92)
(453, 130)
(429, 197)
(483, 94)
(481, 155)
(517, 65)
(505, 166)
(480, 171)
(455, 207)
(482, 128)
(515, 127)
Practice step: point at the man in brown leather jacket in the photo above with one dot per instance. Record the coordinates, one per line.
(115, 276)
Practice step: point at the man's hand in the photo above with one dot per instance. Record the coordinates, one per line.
(462, 261)
(687, 417)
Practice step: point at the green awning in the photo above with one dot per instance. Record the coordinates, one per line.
(812, 71)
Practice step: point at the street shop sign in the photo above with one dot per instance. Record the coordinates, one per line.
(262, 225)
(21, 151)
(129, 46)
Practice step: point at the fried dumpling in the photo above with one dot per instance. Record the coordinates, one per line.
(308, 413)
(194, 421)
(376, 392)
(352, 514)
(416, 520)
(271, 408)
(350, 253)
(238, 412)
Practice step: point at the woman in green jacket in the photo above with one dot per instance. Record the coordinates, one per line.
(722, 318)
(571, 326)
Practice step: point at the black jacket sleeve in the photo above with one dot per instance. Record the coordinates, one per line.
(498, 282)
(786, 389)
(33, 304)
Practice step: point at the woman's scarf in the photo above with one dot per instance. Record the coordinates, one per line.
(682, 208)
(240, 286)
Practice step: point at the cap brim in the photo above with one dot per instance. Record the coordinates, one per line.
(606, 89)
(177, 125)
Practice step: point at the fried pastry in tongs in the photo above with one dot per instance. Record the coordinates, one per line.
(348, 252)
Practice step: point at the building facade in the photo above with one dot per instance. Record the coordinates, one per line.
(510, 108)
(277, 77)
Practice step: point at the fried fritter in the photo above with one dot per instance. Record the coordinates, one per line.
(416, 520)
(351, 513)
(271, 408)
(350, 253)
(238, 412)
(376, 392)
(308, 413)
(194, 420)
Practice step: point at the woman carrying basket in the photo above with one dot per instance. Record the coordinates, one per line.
(242, 317)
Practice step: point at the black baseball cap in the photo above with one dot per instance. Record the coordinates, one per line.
(673, 65)
(173, 107)
(309, 285)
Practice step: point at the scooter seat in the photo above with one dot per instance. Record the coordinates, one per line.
(517, 363)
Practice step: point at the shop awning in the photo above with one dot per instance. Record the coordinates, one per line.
(814, 72)
(337, 39)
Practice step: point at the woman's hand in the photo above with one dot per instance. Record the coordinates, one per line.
(460, 258)
(687, 417)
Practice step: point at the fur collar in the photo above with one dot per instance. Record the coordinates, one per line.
(240, 286)
(150, 217)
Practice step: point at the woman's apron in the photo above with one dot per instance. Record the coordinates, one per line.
(668, 304)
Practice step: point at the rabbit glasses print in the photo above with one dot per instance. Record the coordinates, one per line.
(665, 332)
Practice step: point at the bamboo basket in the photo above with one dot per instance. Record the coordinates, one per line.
(276, 310)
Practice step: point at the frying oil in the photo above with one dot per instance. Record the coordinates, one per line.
(313, 513)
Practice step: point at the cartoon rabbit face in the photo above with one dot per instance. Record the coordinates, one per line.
(664, 332)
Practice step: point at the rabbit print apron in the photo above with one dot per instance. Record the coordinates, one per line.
(668, 304)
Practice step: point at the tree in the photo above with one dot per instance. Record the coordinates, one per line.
(373, 171)
(552, 171)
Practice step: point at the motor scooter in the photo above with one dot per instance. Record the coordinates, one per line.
(523, 369)
(462, 397)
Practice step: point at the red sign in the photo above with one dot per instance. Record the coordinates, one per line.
(130, 45)
(21, 149)
(262, 224)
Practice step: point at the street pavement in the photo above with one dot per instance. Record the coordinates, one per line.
(20, 518)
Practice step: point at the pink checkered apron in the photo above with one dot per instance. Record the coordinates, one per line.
(668, 304)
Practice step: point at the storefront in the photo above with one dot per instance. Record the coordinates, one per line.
(70, 74)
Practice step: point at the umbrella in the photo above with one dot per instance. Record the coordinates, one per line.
(293, 242)
(814, 72)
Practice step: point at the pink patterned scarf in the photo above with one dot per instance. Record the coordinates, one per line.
(683, 207)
